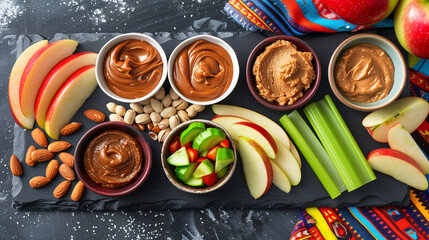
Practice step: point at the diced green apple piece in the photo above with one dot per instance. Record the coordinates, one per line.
(205, 168)
(179, 158)
(184, 173)
(191, 132)
(224, 157)
(208, 139)
(222, 172)
(195, 182)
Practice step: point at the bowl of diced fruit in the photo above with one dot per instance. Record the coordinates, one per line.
(198, 156)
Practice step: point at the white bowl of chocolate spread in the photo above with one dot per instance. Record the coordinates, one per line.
(131, 67)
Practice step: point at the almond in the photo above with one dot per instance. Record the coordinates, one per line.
(95, 115)
(67, 158)
(15, 166)
(39, 181)
(77, 191)
(61, 189)
(67, 172)
(70, 128)
(28, 159)
(52, 169)
(41, 155)
(39, 137)
(58, 146)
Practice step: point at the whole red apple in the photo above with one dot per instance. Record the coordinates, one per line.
(361, 12)
(412, 26)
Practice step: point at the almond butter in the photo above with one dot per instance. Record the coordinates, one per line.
(77, 191)
(95, 115)
(70, 128)
(28, 159)
(41, 155)
(67, 172)
(15, 166)
(61, 189)
(39, 181)
(39, 137)
(67, 158)
(52, 169)
(58, 146)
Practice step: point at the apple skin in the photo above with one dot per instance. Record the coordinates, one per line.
(14, 84)
(412, 26)
(361, 12)
(399, 166)
(244, 126)
(256, 166)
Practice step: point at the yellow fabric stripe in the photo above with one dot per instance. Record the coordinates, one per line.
(419, 205)
(321, 223)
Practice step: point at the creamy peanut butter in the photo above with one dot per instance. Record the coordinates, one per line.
(133, 68)
(202, 71)
(364, 73)
(283, 73)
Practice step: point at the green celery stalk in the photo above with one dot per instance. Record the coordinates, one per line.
(313, 152)
(339, 143)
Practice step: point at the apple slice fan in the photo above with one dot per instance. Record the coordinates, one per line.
(410, 19)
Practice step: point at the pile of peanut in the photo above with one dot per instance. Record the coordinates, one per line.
(159, 114)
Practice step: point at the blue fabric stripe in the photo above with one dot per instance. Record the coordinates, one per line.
(272, 14)
(367, 224)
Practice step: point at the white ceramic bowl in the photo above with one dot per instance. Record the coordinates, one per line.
(218, 41)
(99, 65)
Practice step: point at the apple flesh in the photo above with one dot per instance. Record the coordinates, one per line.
(38, 67)
(362, 12)
(14, 81)
(412, 26)
(280, 178)
(399, 166)
(273, 128)
(409, 111)
(256, 166)
(286, 162)
(401, 140)
(68, 99)
(258, 134)
(55, 78)
(295, 154)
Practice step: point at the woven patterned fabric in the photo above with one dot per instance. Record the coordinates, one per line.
(298, 17)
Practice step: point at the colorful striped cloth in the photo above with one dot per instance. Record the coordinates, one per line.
(298, 17)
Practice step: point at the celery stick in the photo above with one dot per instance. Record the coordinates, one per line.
(311, 157)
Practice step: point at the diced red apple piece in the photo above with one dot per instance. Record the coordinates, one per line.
(280, 178)
(256, 166)
(400, 139)
(273, 128)
(55, 78)
(38, 67)
(399, 166)
(409, 111)
(285, 160)
(14, 82)
(68, 99)
(258, 134)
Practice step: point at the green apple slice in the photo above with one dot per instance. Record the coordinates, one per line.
(195, 182)
(222, 172)
(184, 173)
(205, 168)
(191, 132)
(179, 158)
(224, 157)
(208, 139)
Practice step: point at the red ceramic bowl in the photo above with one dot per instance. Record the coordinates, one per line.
(79, 156)
(251, 82)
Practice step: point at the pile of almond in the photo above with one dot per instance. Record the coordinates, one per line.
(47, 153)
(159, 114)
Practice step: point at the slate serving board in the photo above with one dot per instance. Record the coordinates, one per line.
(158, 193)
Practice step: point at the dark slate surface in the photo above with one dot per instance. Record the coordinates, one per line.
(158, 193)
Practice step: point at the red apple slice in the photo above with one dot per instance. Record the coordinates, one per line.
(55, 78)
(274, 129)
(401, 140)
(14, 81)
(399, 166)
(280, 178)
(256, 166)
(286, 161)
(38, 67)
(258, 134)
(68, 99)
(409, 111)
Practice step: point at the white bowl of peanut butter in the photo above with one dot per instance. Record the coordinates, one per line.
(367, 72)
(131, 67)
(203, 70)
